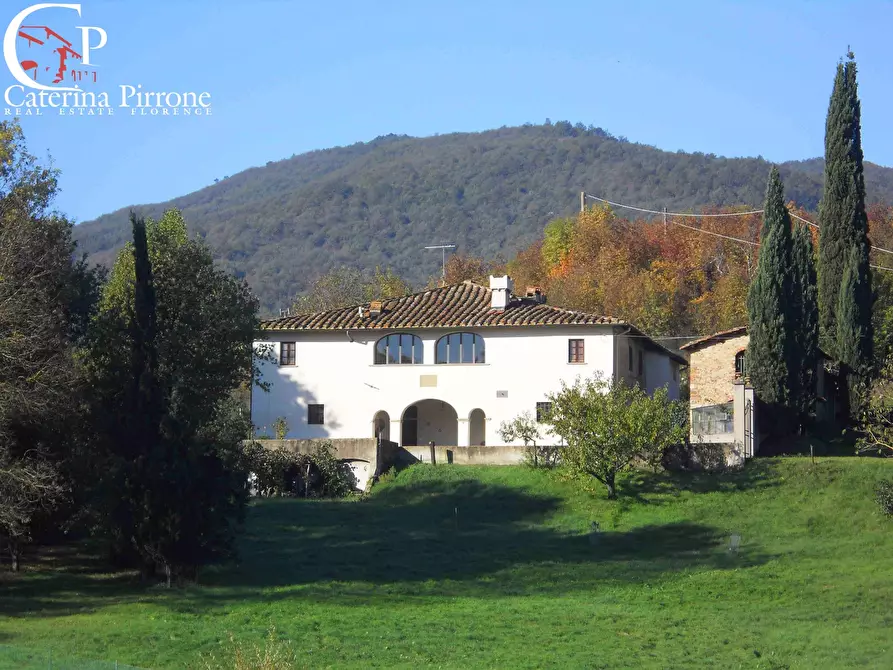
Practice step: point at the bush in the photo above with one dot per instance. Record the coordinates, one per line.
(279, 472)
(694, 457)
(388, 476)
(337, 478)
(280, 427)
(541, 456)
(884, 496)
(274, 654)
(525, 428)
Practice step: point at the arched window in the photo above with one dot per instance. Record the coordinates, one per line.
(460, 348)
(741, 364)
(397, 349)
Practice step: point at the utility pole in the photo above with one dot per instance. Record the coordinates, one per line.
(443, 248)
(665, 219)
(582, 201)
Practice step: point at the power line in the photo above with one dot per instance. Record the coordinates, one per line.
(652, 211)
(707, 232)
(815, 225)
(710, 232)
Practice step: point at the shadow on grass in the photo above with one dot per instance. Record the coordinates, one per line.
(825, 443)
(412, 541)
(639, 485)
(429, 538)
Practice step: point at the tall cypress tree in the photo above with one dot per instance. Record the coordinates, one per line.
(844, 224)
(145, 353)
(771, 327)
(805, 309)
(853, 335)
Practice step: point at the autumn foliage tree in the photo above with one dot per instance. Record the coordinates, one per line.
(669, 280)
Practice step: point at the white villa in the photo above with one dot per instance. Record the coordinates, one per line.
(446, 365)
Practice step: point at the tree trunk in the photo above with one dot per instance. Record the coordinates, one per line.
(612, 489)
(14, 555)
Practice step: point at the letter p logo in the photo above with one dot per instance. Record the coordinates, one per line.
(85, 41)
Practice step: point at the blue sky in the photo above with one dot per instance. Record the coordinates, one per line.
(734, 79)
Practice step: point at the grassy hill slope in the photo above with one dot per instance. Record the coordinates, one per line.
(382, 201)
(492, 567)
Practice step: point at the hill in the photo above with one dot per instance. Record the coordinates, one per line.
(477, 567)
(491, 193)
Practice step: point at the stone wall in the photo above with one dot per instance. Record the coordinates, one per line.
(365, 457)
(363, 448)
(464, 455)
(712, 371)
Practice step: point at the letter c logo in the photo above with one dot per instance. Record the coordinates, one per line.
(9, 47)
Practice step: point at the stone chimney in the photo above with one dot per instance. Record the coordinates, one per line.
(501, 288)
(536, 294)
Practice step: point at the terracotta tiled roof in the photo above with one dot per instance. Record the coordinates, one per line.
(465, 305)
(716, 337)
(726, 335)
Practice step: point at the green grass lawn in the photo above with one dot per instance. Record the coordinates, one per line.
(493, 567)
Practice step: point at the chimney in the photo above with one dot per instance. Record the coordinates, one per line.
(501, 288)
(375, 308)
(536, 294)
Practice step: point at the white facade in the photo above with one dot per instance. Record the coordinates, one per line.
(455, 404)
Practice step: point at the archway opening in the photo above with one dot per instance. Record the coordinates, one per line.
(381, 425)
(430, 421)
(477, 428)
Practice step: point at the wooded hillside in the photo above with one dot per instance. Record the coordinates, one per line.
(491, 193)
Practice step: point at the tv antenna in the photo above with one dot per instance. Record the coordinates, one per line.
(443, 248)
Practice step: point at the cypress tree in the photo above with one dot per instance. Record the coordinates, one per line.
(806, 320)
(844, 224)
(145, 353)
(852, 332)
(771, 327)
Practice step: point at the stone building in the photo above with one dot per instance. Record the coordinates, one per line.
(718, 387)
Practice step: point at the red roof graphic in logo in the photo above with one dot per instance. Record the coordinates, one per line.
(63, 50)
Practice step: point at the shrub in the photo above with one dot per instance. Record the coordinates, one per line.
(273, 654)
(337, 477)
(525, 428)
(388, 476)
(280, 472)
(884, 496)
(280, 428)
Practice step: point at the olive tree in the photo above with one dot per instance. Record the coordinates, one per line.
(608, 425)
(526, 428)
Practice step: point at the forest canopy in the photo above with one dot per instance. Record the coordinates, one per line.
(379, 203)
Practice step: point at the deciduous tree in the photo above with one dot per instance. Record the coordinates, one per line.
(173, 479)
(39, 298)
(346, 287)
(607, 425)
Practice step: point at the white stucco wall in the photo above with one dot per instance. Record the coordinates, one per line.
(527, 363)
(661, 370)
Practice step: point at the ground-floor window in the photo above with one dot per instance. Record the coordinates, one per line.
(316, 414)
(543, 409)
(713, 419)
